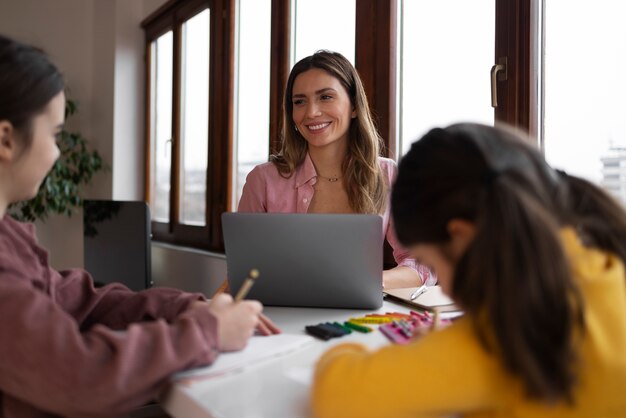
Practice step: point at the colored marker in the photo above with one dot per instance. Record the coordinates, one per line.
(394, 315)
(405, 328)
(357, 327)
(345, 328)
(390, 332)
(367, 320)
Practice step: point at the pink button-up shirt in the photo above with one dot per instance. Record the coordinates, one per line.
(267, 191)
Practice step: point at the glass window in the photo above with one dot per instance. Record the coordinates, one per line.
(195, 118)
(161, 130)
(446, 51)
(252, 90)
(188, 120)
(584, 59)
(324, 24)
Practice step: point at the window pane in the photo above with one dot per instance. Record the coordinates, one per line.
(447, 48)
(324, 24)
(253, 89)
(584, 123)
(161, 129)
(194, 119)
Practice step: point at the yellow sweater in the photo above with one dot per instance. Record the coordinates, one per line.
(449, 372)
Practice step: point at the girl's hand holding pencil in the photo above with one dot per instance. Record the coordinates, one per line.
(236, 322)
(265, 326)
(237, 319)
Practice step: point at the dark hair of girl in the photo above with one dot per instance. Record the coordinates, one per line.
(28, 81)
(514, 280)
(599, 218)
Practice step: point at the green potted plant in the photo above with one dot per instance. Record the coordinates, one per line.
(60, 192)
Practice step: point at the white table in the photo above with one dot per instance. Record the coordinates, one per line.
(274, 389)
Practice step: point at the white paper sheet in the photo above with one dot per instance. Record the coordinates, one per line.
(259, 350)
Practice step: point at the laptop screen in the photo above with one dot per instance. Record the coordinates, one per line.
(316, 260)
(117, 242)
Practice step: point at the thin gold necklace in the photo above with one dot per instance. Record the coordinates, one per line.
(331, 179)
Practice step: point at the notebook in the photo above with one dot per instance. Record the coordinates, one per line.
(259, 349)
(433, 298)
(312, 260)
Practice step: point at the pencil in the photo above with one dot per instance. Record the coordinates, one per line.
(423, 288)
(247, 284)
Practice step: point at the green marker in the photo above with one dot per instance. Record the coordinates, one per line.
(348, 330)
(357, 327)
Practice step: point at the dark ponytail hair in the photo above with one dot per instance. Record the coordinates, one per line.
(599, 218)
(28, 81)
(514, 280)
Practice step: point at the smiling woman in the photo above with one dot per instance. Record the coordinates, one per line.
(329, 159)
(322, 113)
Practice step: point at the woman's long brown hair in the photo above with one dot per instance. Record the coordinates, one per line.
(362, 174)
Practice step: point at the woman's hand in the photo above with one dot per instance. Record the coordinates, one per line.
(401, 276)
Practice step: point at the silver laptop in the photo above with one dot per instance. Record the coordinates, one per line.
(315, 260)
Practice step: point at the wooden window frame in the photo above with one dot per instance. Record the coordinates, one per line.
(517, 26)
(279, 67)
(171, 16)
(376, 61)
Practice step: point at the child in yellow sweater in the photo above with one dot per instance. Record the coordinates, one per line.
(535, 258)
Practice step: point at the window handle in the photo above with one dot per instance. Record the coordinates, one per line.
(168, 147)
(498, 73)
